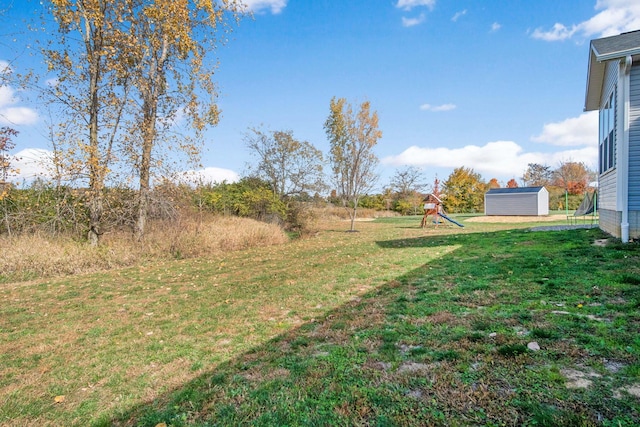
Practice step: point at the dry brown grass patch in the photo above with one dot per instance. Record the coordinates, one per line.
(32, 256)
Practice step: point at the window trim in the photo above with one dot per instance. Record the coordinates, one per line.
(607, 133)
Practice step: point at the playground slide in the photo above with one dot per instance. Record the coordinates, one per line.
(450, 220)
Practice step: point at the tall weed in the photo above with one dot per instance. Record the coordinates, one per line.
(32, 256)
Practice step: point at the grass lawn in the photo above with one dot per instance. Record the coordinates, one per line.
(393, 325)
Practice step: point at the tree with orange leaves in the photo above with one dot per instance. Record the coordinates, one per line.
(572, 176)
(512, 183)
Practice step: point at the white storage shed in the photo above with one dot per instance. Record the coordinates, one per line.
(517, 201)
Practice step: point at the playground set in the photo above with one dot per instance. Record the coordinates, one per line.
(588, 209)
(433, 208)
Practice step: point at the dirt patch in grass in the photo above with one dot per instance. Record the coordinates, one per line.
(579, 378)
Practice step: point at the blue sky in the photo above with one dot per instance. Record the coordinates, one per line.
(491, 85)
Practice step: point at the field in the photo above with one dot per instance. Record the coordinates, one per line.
(490, 324)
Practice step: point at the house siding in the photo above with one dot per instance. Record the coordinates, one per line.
(609, 217)
(603, 78)
(607, 191)
(607, 181)
(609, 221)
(634, 140)
(634, 224)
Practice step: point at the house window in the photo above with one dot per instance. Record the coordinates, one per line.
(607, 146)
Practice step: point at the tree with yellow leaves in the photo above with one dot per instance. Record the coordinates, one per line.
(89, 95)
(352, 136)
(171, 41)
(126, 71)
(464, 191)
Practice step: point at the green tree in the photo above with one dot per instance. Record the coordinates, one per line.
(372, 201)
(6, 145)
(352, 137)
(464, 191)
(249, 197)
(292, 167)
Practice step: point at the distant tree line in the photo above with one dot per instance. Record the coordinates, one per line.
(464, 189)
(132, 76)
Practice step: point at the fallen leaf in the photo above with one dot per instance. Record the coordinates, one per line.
(59, 399)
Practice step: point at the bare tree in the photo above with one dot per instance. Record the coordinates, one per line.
(352, 136)
(408, 184)
(292, 167)
(407, 181)
(537, 175)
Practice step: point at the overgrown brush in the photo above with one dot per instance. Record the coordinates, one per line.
(37, 255)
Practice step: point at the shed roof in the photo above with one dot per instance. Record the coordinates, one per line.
(603, 50)
(516, 190)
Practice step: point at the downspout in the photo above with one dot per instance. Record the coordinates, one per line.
(623, 154)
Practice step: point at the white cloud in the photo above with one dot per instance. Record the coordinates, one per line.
(575, 131)
(210, 175)
(495, 27)
(613, 17)
(32, 163)
(410, 4)
(257, 6)
(52, 82)
(459, 15)
(14, 115)
(6, 96)
(410, 22)
(500, 159)
(5, 68)
(437, 108)
(18, 116)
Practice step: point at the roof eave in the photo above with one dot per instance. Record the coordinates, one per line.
(617, 55)
(595, 80)
(596, 71)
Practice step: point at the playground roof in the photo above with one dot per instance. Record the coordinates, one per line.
(426, 199)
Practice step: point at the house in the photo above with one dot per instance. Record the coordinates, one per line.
(517, 201)
(613, 88)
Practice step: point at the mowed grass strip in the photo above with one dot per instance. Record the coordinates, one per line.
(448, 343)
(393, 325)
(82, 348)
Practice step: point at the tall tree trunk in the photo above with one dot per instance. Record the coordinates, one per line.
(153, 88)
(145, 172)
(96, 172)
